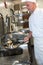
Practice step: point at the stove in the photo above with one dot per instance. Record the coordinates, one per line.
(21, 59)
(11, 52)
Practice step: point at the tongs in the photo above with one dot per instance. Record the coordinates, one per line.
(21, 42)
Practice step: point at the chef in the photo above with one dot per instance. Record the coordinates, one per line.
(36, 28)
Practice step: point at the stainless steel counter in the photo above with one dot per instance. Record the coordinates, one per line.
(9, 60)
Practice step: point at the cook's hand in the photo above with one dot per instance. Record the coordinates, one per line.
(28, 37)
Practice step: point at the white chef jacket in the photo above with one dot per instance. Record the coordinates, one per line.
(36, 23)
(36, 26)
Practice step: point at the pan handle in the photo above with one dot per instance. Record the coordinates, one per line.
(22, 43)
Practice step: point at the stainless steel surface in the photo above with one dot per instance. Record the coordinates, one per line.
(9, 60)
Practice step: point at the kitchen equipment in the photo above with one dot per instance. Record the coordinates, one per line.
(21, 63)
(11, 46)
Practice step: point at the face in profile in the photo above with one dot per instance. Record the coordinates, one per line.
(30, 6)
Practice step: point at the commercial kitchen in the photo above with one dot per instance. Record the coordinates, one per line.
(14, 26)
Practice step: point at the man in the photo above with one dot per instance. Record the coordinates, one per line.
(36, 28)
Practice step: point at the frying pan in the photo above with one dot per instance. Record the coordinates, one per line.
(16, 45)
(17, 40)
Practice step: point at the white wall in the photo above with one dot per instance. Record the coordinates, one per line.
(40, 3)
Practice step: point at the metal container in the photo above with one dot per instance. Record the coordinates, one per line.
(21, 63)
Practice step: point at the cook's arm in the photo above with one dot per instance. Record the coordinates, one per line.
(28, 37)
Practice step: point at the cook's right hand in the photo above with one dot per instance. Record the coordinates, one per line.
(26, 39)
